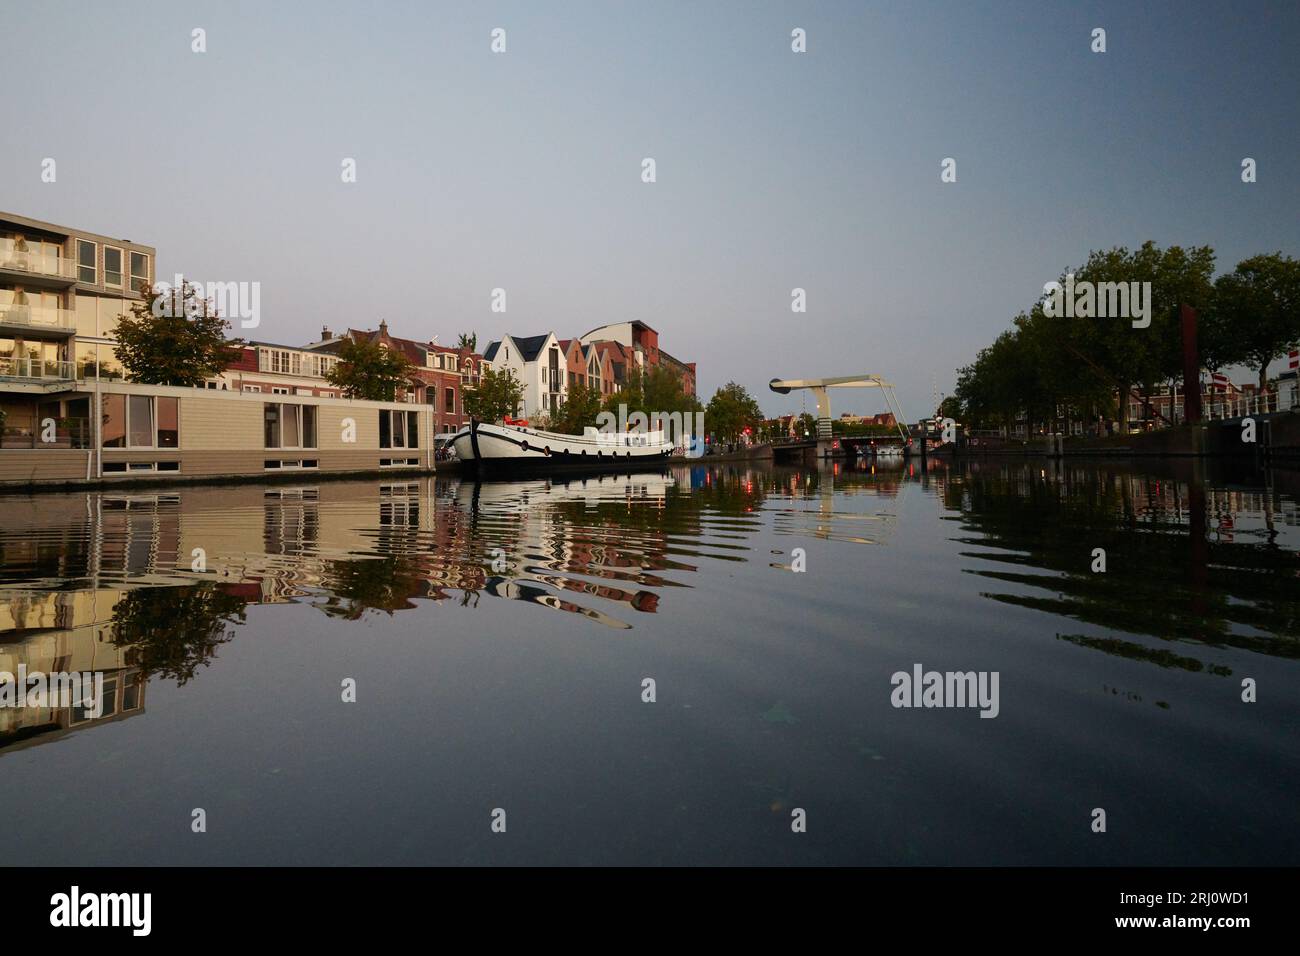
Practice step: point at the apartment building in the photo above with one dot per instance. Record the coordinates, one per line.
(61, 293)
(640, 347)
(272, 369)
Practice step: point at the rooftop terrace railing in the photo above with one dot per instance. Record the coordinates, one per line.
(15, 257)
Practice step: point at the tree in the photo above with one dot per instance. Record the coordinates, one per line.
(579, 410)
(497, 395)
(1148, 356)
(368, 370)
(806, 425)
(173, 337)
(1256, 314)
(652, 391)
(730, 411)
(950, 407)
(468, 340)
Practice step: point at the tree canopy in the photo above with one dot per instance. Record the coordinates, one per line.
(1256, 315)
(180, 342)
(497, 395)
(730, 411)
(368, 370)
(580, 408)
(1047, 361)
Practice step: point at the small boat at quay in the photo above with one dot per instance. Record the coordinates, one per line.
(513, 448)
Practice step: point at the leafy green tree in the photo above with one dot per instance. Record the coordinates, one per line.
(806, 425)
(368, 370)
(1256, 314)
(1142, 357)
(497, 395)
(579, 410)
(730, 411)
(950, 407)
(173, 338)
(656, 389)
(468, 340)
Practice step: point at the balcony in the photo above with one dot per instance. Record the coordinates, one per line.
(36, 370)
(38, 317)
(39, 263)
(69, 433)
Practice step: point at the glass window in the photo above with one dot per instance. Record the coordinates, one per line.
(140, 421)
(114, 425)
(86, 363)
(112, 266)
(289, 431)
(168, 422)
(398, 430)
(308, 426)
(271, 418)
(449, 405)
(385, 429)
(412, 430)
(139, 269)
(86, 265)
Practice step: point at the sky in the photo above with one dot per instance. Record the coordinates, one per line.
(774, 170)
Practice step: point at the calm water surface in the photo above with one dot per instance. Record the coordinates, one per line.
(499, 636)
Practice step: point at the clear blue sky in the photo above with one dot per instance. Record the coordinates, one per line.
(775, 170)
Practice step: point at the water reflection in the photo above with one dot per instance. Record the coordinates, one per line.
(1184, 563)
(1202, 578)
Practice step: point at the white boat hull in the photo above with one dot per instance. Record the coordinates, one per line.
(514, 449)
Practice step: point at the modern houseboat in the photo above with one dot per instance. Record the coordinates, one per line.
(101, 432)
(513, 448)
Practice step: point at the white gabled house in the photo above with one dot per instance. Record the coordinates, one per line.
(539, 363)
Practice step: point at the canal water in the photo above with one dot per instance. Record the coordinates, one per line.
(683, 668)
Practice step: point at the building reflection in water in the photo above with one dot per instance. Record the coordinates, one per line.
(151, 585)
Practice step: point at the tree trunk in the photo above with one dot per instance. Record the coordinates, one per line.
(1263, 377)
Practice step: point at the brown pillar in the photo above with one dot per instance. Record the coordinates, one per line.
(1191, 368)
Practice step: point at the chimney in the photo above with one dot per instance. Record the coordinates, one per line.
(325, 333)
(383, 328)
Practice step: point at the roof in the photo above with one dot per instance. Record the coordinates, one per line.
(530, 346)
(635, 323)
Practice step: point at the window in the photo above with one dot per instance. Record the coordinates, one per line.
(113, 266)
(141, 421)
(399, 429)
(275, 390)
(289, 426)
(253, 388)
(87, 267)
(139, 269)
(450, 406)
(168, 425)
